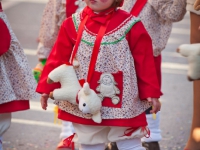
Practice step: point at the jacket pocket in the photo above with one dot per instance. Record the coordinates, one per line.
(109, 87)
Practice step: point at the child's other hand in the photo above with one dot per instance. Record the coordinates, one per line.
(43, 101)
(155, 104)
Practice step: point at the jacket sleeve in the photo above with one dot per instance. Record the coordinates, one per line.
(142, 52)
(169, 10)
(53, 16)
(60, 54)
(5, 38)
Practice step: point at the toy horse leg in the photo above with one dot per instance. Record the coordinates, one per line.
(194, 144)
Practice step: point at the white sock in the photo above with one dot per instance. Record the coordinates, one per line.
(67, 130)
(130, 144)
(92, 147)
(154, 127)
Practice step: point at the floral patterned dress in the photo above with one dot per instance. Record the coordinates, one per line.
(17, 84)
(125, 50)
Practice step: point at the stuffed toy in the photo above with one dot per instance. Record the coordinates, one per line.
(197, 5)
(88, 100)
(192, 52)
(107, 88)
(70, 85)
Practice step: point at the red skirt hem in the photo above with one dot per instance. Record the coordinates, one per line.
(138, 121)
(17, 105)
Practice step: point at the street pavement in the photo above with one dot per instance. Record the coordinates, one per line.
(35, 129)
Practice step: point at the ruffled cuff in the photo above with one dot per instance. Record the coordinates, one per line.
(43, 52)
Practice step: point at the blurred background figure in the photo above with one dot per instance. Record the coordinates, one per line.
(194, 139)
(17, 84)
(55, 12)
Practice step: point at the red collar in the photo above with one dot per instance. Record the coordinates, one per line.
(101, 17)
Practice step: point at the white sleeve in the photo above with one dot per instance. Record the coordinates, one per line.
(169, 10)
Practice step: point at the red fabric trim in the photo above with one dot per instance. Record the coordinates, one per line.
(82, 81)
(5, 38)
(138, 121)
(14, 106)
(68, 64)
(95, 52)
(129, 131)
(138, 7)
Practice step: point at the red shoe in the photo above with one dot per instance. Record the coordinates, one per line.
(66, 144)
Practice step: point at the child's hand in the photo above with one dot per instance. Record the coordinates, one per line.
(43, 101)
(155, 104)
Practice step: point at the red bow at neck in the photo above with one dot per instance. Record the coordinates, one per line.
(100, 17)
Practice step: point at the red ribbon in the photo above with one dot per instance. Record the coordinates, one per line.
(100, 17)
(130, 131)
(95, 52)
(146, 129)
(138, 7)
(80, 32)
(97, 44)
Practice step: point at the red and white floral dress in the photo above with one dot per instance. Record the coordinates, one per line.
(125, 53)
(17, 84)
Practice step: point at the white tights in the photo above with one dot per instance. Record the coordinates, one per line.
(129, 144)
(67, 130)
(92, 147)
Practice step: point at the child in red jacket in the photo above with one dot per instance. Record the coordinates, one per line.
(124, 51)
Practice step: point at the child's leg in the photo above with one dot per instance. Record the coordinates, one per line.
(154, 127)
(192, 144)
(154, 123)
(130, 144)
(1, 147)
(91, 137)
(92, 147)
(66, 132)
(5, 121)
